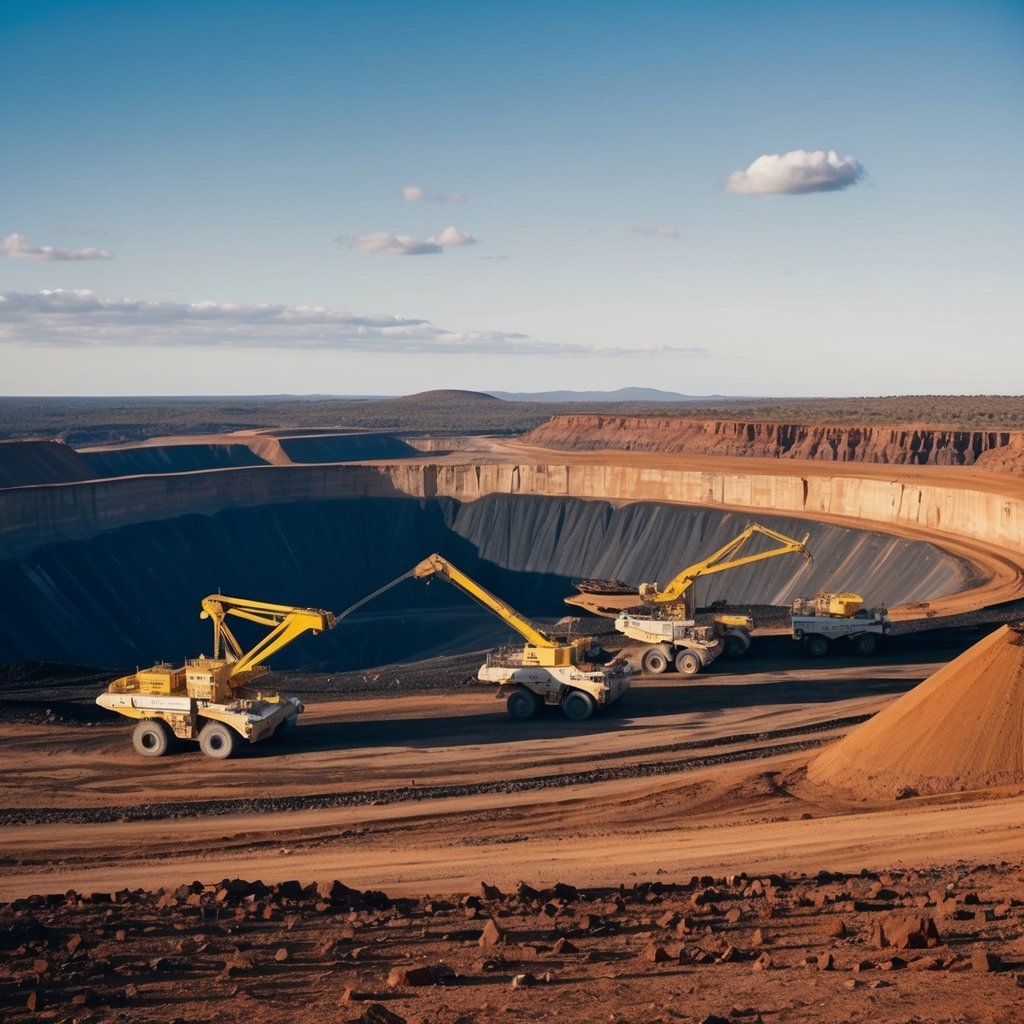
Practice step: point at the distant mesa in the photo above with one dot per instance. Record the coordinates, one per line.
(620, 395)
(961, 729)
(442, 396)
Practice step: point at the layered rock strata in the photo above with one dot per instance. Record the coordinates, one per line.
(996, 450)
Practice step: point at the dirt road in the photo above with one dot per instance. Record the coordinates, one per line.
(430, 791)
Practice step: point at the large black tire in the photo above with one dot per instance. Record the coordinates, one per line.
(284, 729)
(687, 663)
(735, 646)
(522, 705)
(151, 738)
(578, 706)
(866, 644)
(218, 740)
(654, 661)
(816, 645)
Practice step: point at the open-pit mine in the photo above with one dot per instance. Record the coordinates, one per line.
(778, 837)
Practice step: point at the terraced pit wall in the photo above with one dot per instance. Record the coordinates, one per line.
(30, 516)
(111, 572)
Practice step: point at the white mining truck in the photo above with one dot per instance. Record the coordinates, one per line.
(221, 701)
(545, 670)
(819, 621)
(661, 618)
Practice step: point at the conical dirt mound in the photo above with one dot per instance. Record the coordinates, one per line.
(961, 729)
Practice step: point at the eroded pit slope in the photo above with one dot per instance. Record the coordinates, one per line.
(994, 450)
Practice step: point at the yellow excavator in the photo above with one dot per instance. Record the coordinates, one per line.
(214, 699)
(545, 670)
(669, 627)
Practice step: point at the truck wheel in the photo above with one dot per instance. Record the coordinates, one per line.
(735, 645)
(654, 661)
(866, 643)
(816, 645)
(218, 740)
(284, 729)
(151, 738)
(687, 663)
(578, 706)
(522, 705)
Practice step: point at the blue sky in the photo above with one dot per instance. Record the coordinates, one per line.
(775, 199)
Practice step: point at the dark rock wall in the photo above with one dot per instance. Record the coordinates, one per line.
(24, 463)
(172, 458)
(346, 448)
(131, 596)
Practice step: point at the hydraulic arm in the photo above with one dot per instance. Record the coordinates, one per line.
(544, 670)
(210, 699)
(286, 624)
(435, 565)
(673, 597)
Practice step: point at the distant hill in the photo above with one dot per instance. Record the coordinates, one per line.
(622, 395)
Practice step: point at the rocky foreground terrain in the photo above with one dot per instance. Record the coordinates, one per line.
(904, 945)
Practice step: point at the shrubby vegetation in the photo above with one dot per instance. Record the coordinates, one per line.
(84, 421)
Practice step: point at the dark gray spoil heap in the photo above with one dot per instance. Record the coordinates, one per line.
(131, 596)
(23, 463)
(346, 448)
(172, 458)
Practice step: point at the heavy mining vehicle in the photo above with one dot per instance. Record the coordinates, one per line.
(663, 619)
(216, 700)
(818, 621)
(571, 673)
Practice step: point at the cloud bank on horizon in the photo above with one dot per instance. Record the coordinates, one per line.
(78, 318)
(796, 173)
(18, 247)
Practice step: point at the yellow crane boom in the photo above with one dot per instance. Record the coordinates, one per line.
(545, 670)
(608, 598)
(673, 597)
(286, 624)
(211, 699)
(436, 565)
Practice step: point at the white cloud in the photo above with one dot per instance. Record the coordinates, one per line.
(657, 230)
(82, 319)
(384, 244)
(18, 247)
(415, 194)
(452, 237)
(795, 173)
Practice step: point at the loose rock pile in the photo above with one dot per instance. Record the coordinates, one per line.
(736, 948)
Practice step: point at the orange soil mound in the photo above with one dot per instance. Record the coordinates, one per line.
(961, 729)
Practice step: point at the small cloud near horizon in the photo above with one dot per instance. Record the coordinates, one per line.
(79, 318)
(382, 243)
(415, 194)
(18, 247)
(796, 173)
(657, 230)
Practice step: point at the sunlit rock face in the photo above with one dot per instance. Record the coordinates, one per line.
(997, 450)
